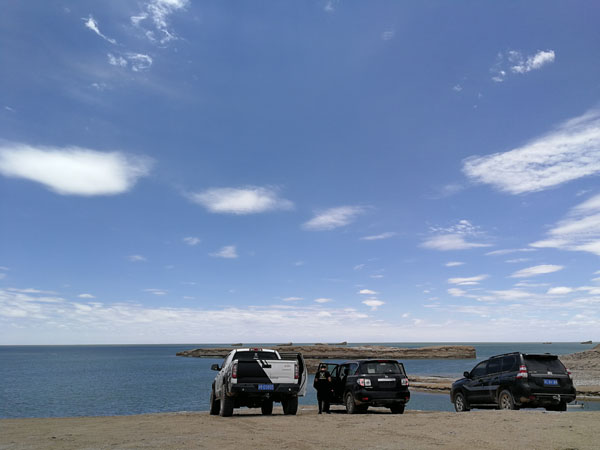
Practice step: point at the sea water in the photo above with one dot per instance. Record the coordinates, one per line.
(96, 380)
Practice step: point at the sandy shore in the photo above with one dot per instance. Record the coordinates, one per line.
(377, 429)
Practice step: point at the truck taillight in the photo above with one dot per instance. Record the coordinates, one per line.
(296, 372)
(364, 382)
(234, 370)
(404, 382)
(522, 372)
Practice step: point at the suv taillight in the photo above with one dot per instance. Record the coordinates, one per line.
(234, 370)
(296, 372)
(404, 382)
(569, 373)
(522, 372)
(364, 382)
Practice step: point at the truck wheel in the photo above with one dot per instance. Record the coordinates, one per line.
(460, 402)
(266, 407)
(350, 405)
(226, 405)
(290, 406)
(506, 400)
(398, 408)
(214, 404)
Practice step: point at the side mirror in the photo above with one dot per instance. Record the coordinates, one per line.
(467, 374)
(215, 367)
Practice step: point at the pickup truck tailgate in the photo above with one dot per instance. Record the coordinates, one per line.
(266, 371)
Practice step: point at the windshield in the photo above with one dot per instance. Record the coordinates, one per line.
(542, 364)
(246, 356)
(381, 367)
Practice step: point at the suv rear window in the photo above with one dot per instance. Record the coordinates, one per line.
(542, 364)
(381, 367)
(245, 356)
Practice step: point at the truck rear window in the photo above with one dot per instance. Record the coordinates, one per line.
(246, 356)
(541, 364)
(381, 367)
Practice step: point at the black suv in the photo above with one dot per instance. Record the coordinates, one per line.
(513, 381)
(369, 382)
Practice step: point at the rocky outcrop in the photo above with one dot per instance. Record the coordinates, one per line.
(325, 351)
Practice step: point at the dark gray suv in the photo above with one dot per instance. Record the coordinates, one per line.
(513, 381)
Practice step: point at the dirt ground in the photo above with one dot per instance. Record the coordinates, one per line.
(247, 429)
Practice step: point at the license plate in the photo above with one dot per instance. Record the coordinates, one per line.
(265, 387)
(550, 382)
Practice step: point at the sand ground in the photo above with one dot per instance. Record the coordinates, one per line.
(249, 430)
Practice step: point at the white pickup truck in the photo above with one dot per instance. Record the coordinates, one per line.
(257, 377)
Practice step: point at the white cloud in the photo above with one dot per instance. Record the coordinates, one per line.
(561, 290)
(191, 240)
(457, 88)
(377, 237)
(447, 242)
(118, 60)
(579, 231)
(376, 276)
(248, 200)
(536, 270)
(388, 35)
(157, 12)
(323, 300)
(367, 292)
(513, 61)
(292, 299)
(92, 24)
(156, 291)
(136, 258)
(329, 6)
(454, 264)
(86, 296)
(227, 252)
(509, 250)
(567, 153)
(373, 303)
(139, 61)
(456, 292)
(466, 281)
(359, 267)
(334, 218)
(73, 170)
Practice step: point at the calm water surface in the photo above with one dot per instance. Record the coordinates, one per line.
(59, 381)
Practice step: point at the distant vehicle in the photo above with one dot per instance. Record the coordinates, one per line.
(257, 377)
(513, 381)
(369, 382)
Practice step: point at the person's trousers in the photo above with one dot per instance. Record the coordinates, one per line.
(323, 400)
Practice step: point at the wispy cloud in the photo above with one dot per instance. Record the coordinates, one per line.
(248, 200)
(86, 296)
(454, 237)
(333, 218)
(467, 281)
(373, 303)
(191, 240)
(227, 252)
(292, 299)
(92, 24)
(579, 231)
(454, 264)
(156, 291)
(154, 19)
(536, 270)
(388, 35)
(73, 170)
(367, 292)
(567, 153)
(507, 251)
(136, 258)
(323, 300)
(513, 61)
(330, 6)
(138, 62)
(559, 290)
(377, 237)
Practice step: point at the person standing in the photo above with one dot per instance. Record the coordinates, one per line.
(323, 385)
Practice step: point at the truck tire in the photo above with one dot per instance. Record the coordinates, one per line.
(349, 402)
(214, 404)
(290, 406)
(226, 405)
(398, 408)
(266, 407)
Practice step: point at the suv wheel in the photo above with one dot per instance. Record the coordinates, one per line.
(350, 405)
(562, 406)
(214, 404)
(398, 408)
(506, 400)
(266, 408)
(460, 403)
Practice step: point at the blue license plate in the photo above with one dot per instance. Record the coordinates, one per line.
(550, 382)
(265, 387)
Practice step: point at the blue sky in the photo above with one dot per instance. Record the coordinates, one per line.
(185, 171)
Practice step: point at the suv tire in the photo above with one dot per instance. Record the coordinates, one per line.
(349, 402)
(398, 408)
(460, 402)
(290, 406)
(226, 405)
(266, 407)
(214, 403)
(562, 406)
(506, 400)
